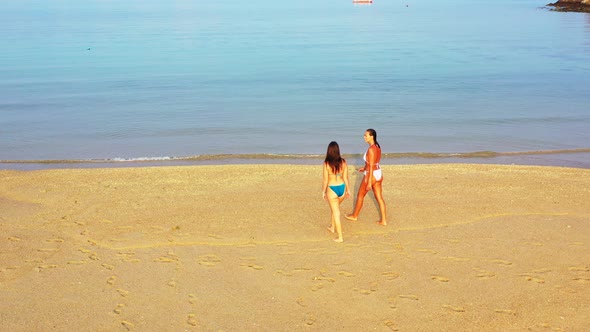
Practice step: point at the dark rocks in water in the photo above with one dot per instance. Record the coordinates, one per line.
(582, 6)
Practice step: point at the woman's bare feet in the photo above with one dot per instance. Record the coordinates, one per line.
(350, 217)
(382, 222)
(331, 229)
(338, 240)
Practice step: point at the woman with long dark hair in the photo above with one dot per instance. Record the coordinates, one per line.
(335, 185)
(373, 178)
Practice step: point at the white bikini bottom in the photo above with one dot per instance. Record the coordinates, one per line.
(377, 174)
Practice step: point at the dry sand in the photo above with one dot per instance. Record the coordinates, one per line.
(245, 248)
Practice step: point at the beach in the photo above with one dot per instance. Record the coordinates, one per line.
(468, 247)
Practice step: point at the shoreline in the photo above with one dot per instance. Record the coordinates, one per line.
(577, 158)
(467, 247)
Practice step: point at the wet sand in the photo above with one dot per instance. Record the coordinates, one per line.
(245, 247)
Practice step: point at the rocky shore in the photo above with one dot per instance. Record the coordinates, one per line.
(571, 6)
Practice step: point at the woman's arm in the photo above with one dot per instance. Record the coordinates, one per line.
(345, 177)
(370, 164)
(325, 181)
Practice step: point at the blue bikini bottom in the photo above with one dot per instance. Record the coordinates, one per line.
(338, 189)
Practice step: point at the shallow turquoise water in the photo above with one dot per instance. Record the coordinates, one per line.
(134, 79)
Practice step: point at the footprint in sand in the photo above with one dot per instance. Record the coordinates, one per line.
(392, 302)
(576, 244)
(538, 244)
(535, 279)
(14, 238)
(456, 259)
(374, 286)
(47, 250)
(107, 266)
(317, 287)
(428, 251)
(55, 240)
(390, 275)
(111, 280)
(125, 254)
(191, 298)
(128, 325)
(301, 302)
(579, 269)
(165, 259)
(84, 250)
(501, 262)
(192, 319)
(346, 274)
(310, 319)
(408, 296)
(249, 258)
(505, 311)
(122, 292)
(484, 274)
(582, 279)
(452, 308)
(439, 278)
(282, 272)
(119, 308)
(252, 266)
(209, 260)
(38, 261)
(316, 250)
(391, 325)
(171, 283)
(47, 266)
(324, 278)
(77, 262)
(543, 270)
(300, 269)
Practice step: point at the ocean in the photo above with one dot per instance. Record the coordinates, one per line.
(143, 82)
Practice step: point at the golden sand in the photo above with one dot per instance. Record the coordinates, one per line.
(245, 248)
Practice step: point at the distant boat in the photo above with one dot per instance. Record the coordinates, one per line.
(362, 1)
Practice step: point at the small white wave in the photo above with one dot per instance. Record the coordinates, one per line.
(118, 159)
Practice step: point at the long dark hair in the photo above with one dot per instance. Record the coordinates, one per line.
(333, 157)
(373, 133)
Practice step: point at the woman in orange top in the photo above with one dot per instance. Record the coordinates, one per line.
(373, 178)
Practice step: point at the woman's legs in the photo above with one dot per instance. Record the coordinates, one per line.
(335, 207)
(360, 198)
(334, 202)
(378, 191)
